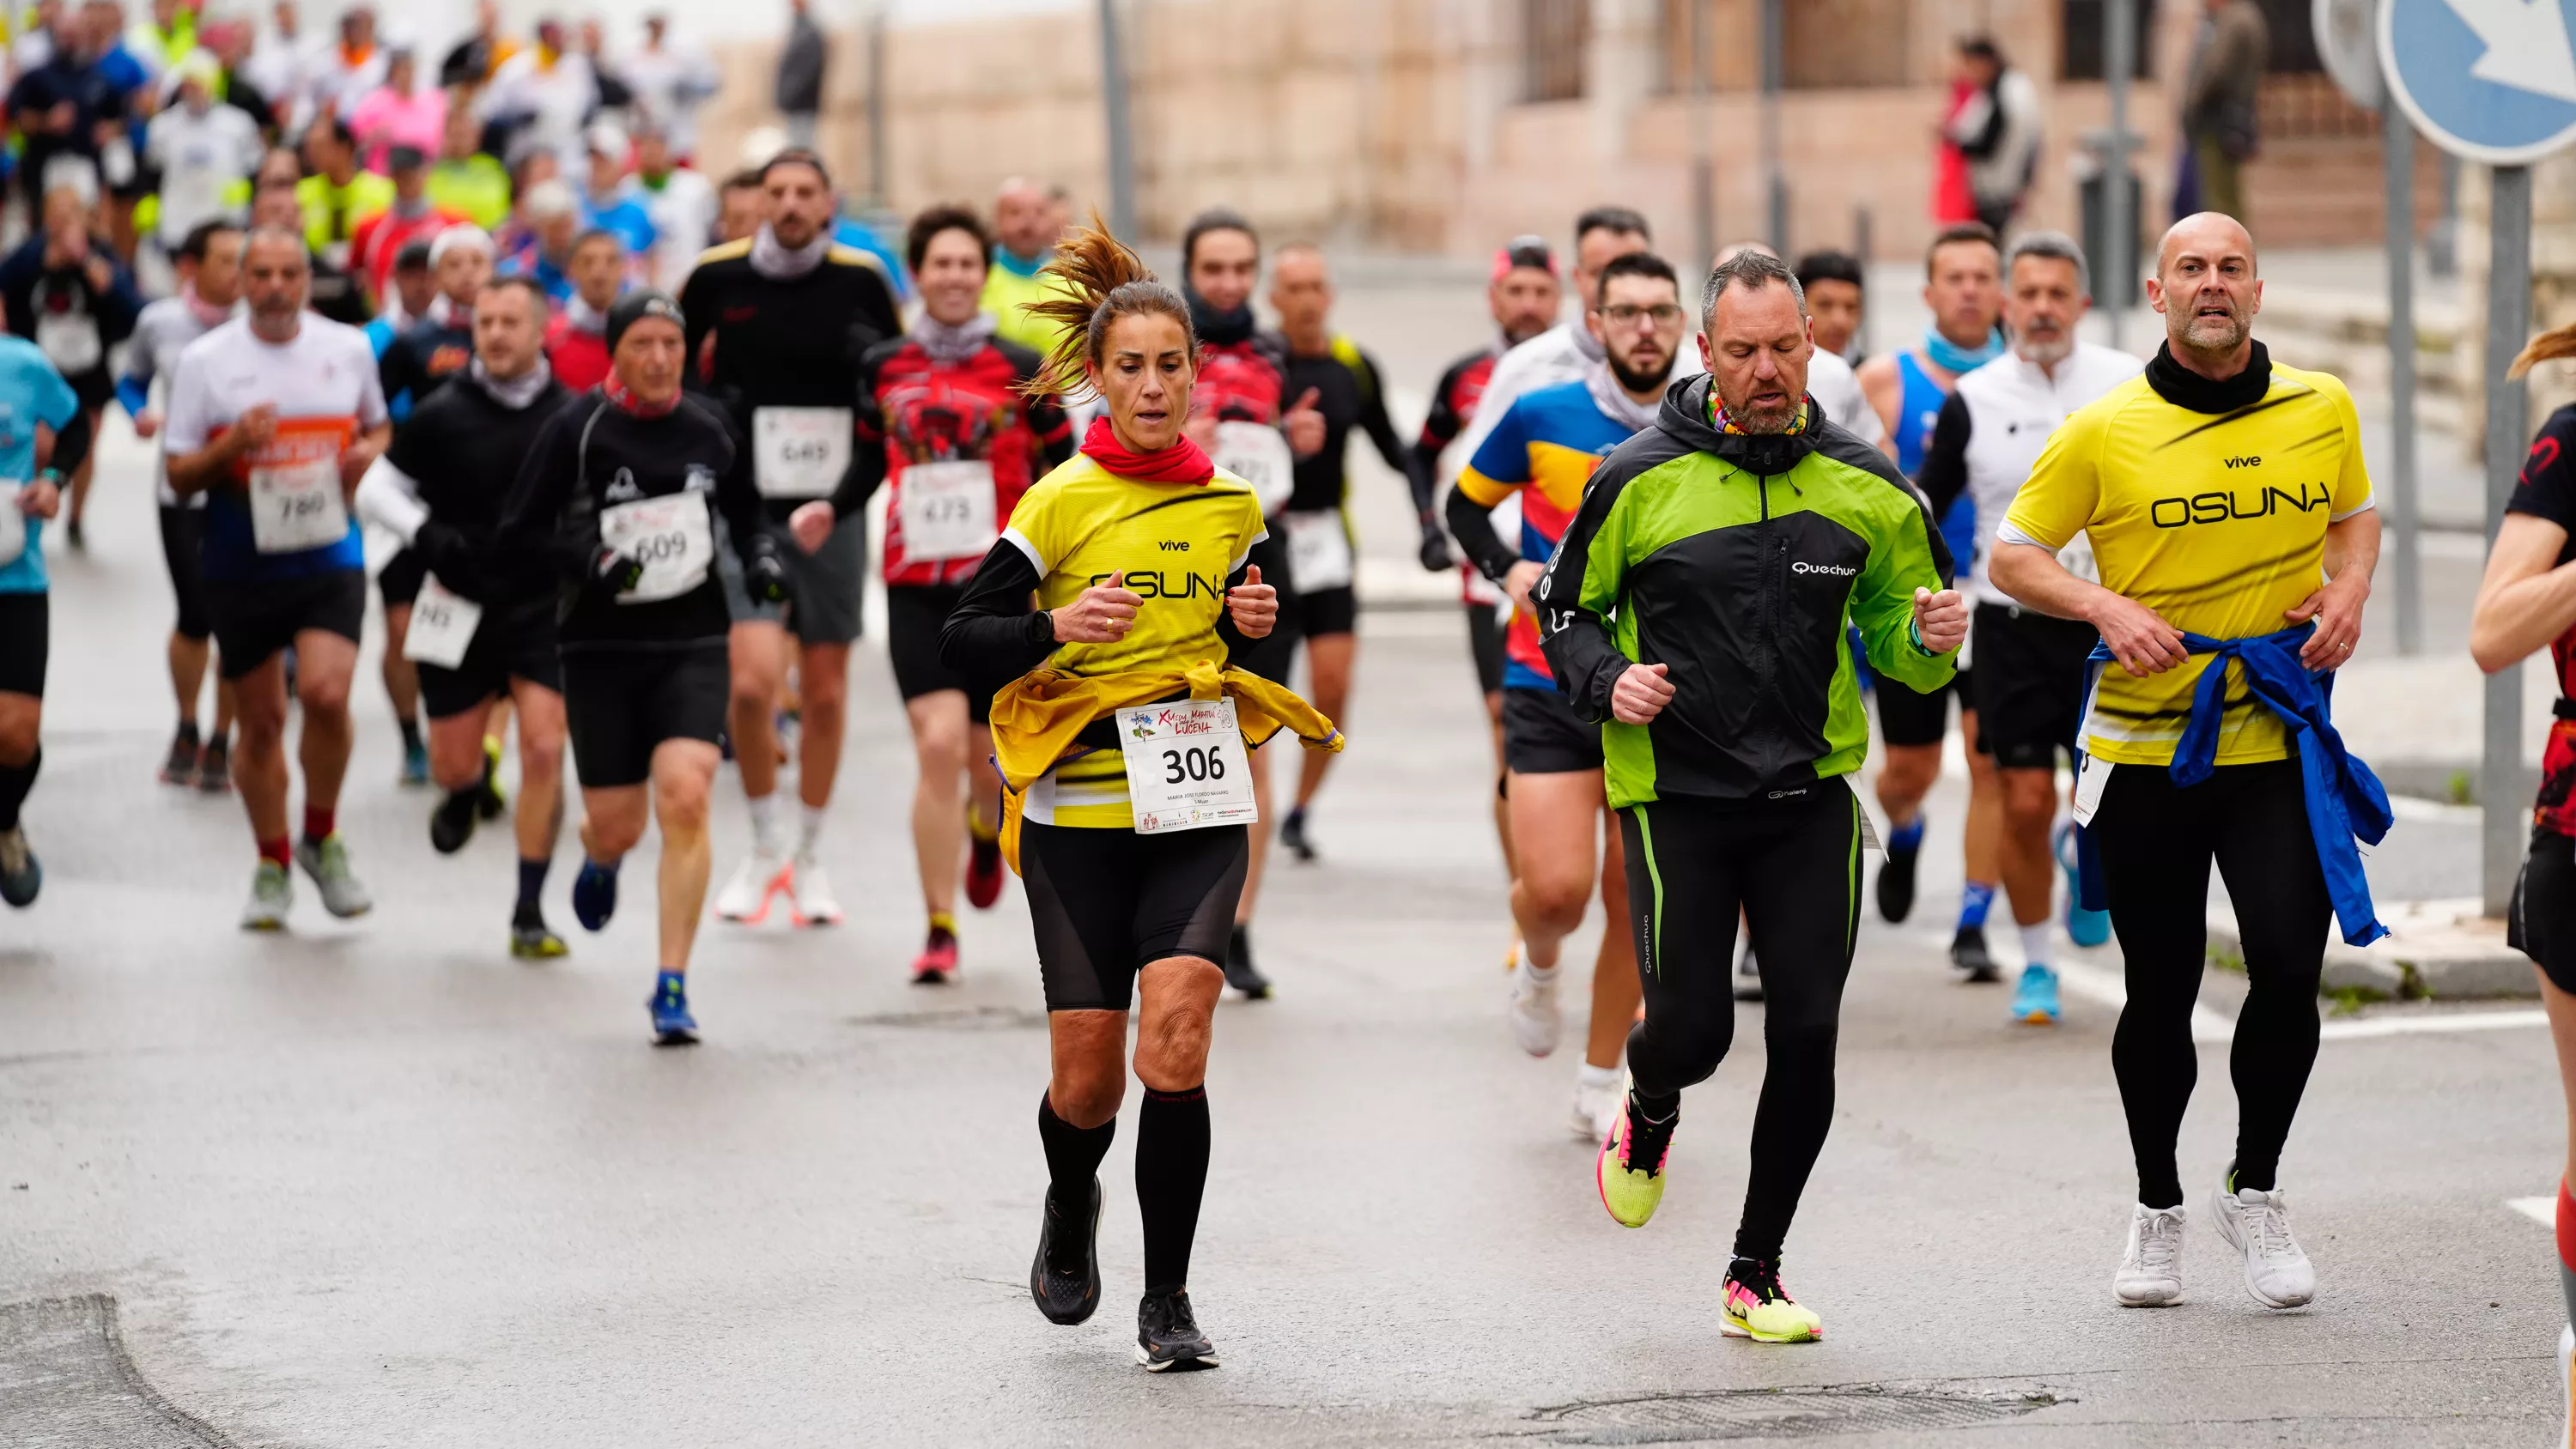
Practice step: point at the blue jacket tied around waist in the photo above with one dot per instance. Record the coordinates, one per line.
(2345, 800)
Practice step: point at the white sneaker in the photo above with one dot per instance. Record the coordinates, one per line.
(1536, 1019)
(1594, 1106)
(809, 894)
(2150, 1273)
(2257, 1224)
(745, 898)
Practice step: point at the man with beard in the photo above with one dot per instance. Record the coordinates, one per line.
(2217, 491)
(1728, 543)
(2030, 667)
(1543, 451)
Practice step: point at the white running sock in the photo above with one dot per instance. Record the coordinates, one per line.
(2034, 944)
(1538, 975)
(764, 823)
(809, 830)
(1599, 1079)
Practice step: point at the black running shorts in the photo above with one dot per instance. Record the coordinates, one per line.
(511, 643)
(1326, 611)
(619, 704)
(399, 580)
(25, 625)
(258, 619)
(2542, 923)
(180, 553)
(1541, 736)
(1485, 642)
(915, 613)
(2029, 684)
(1909, 717)
(1108, 903)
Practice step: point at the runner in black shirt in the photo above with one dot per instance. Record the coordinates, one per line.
(791, 315)
(618, 500)
(1344, 382)
(482, 635)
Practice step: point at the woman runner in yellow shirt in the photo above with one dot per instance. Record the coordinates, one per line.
(1109, 608)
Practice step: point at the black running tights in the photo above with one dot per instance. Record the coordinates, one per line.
(2157, 841)
(1792, 865)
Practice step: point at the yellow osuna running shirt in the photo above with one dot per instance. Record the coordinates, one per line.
(2217, 521)
(1177, 543)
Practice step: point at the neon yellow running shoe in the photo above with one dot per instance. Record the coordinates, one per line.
(1758, 1308)
(1630, 1169)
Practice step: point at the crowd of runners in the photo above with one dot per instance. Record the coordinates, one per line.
(1709, 562)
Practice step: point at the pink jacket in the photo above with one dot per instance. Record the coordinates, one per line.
(385, 119)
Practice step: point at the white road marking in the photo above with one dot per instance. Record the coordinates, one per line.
(2436, 1022)
(2541, 1210)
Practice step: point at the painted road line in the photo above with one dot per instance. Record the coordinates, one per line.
(2433, 1022)
(2541, 1210)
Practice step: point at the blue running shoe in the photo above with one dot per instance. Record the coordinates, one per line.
(672, 1024)
(594, 895)
(2089, 928)
(2036, 1000)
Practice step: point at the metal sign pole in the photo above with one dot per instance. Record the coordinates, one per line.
(2405, 560)
(1775, 70)
(2508, 408)
(2120, 229)
(1703, 144)
(1113, 101)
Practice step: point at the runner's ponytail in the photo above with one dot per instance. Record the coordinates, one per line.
(2547, 347)
(1097, 280)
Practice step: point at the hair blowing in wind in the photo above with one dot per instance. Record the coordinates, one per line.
(1101, 280)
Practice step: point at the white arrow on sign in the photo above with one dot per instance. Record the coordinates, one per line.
(2526, 43)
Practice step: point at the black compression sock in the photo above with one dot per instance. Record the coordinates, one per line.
(532, 881)
(1073, 1156)
(15, 782)
(410, 733)
(1655, 1109)
(1171, 1177)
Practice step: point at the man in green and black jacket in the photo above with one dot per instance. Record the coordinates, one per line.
(1697, 608)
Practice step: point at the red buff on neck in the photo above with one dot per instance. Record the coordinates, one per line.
(1183, 462)
(628, 402)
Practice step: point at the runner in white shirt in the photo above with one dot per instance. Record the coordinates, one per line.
(202, 150)
(2029, 678)
(669, 83)
(275, 416)
(682, 203)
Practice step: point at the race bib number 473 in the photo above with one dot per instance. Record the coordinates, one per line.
(1185, 766)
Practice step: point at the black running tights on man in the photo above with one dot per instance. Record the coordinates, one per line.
(2157, 842)
(1792, 865)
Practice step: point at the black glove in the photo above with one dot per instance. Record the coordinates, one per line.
(445, 550)
(1436, 556)
(612, 572)
(764, 573)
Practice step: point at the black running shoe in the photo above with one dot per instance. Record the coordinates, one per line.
(1065, 1278)
(1240, 973)
(451, 821)
(1167, 1335)
(1896, 882)
(215, 767)
(1968, 952)
(1292, 834)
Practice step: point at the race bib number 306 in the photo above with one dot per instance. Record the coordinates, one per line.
(1185, 766)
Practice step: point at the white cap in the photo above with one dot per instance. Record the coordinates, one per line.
(459, 238)
(605, 139)
(551, 198)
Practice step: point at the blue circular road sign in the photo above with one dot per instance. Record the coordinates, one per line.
(2492, 81)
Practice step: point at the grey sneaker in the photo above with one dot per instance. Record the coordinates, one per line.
(343, 894)
(272, 890)
(20, 874)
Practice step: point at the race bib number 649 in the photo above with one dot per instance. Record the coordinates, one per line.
(1185, 766)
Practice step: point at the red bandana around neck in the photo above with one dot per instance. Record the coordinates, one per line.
(628, 402)
(1183, 462)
